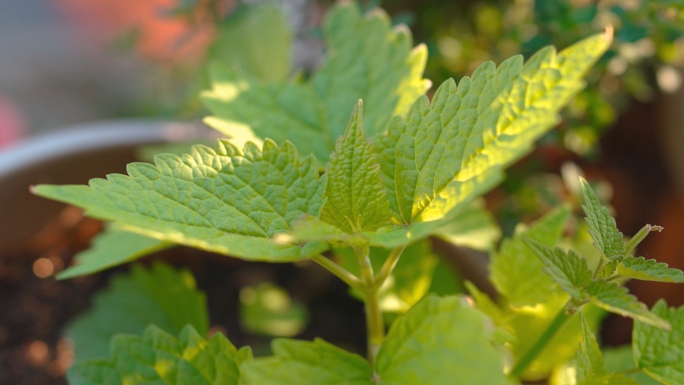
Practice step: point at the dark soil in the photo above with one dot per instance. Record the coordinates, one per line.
(34, 311)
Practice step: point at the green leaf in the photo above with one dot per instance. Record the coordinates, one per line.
(221, 200)
(267, 309)
(256, 40)
(602, 225)
(473, 227)
(567, 269)
(621, 359)
(437, 341)
(648, 270)
(112, 247)
(616, 299)
(367, 59)
(307, 362)
(516, 271)
(160, 358)
(356, 199)
(486, 122)
(658, 352)
(161, 296)
(589, 358)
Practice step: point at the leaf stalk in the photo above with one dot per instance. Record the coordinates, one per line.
(388, 266)
(374, 321)
(339, 271)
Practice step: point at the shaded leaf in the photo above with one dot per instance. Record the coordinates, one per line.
(473, 227)
(268, 309)
(160, 358)
(437, 341)
(162, 296)
(307, 362)
(516, 271)
(222, 200)
(112, 247)
(660, 353)
(367, 59)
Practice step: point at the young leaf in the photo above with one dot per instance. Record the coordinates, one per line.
(367, 59)
(486, 122)
(256, 40)
(161, 296)
(160, 358)
(590, 361)
(112, 247)
(437, 341)
(602, 226)
(658, 352)
(220, 200)
(616, 299)
(356, 199)
(568, 269)
(648, 270)
(516, 271)
(307, 362)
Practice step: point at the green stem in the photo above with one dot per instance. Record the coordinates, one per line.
(374, 322)
(600, 265)
(388, 266)
(640, 236)
(349, 278)
(556, 325)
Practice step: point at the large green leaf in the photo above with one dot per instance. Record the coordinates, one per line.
(367, 59)
(602, 225)
(616, 299)
(658, 352)
(161, 296)
(356, 199)
(159, 358)
(256, 40)
(568, 269)
(220, 200)
(488, 121)
(307, 362)
(648, 270)
(516, 271)
(112, 247)
(439, 341)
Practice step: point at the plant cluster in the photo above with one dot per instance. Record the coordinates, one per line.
(298, 179)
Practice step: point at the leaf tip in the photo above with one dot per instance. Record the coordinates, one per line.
(609, 33)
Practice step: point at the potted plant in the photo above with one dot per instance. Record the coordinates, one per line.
(319, 186)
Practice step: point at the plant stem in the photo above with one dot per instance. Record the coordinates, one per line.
(640, 236)
(388, 266)
(556, 325)
(374, 322)
(349, 278)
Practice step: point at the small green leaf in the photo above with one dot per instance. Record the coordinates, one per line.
(567, 269)
(516, 271)
(658, 352)
(267, 309)
(220, 200)
(648, 270)
(256, 40)
(437, 341)
(367, 59)
(356, 199)
(488, 121)
(307, 362)
(161, 296)
(616, 299)
(112, 247)
(602, 225)
(589, 359)
(160, 358)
